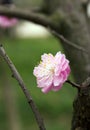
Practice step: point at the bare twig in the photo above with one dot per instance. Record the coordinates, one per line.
(73, 84)
(67, 41)
(86, 83)
(17, 76)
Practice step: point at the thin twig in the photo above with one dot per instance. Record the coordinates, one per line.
(86, 83)
(67, 41)
(73, 84)
(17, 76)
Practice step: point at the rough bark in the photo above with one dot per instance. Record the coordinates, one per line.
(74, 29)
(81, 105)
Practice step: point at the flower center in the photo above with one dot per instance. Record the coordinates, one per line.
(48, 68)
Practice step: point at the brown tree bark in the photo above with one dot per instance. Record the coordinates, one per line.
(74, 29)
(81, 105)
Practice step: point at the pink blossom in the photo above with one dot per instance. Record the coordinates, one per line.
(52, 72)
(7, 22)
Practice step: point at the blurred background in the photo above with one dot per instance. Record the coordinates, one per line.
(25, 43)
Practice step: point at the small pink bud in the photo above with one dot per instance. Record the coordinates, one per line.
(6, 22)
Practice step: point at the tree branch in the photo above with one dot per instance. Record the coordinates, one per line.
(28, 15)
(17, 76)
(85, 84)
(38, 19)
(68, 42)
(73, 84)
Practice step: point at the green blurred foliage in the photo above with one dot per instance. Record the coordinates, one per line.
(55, 107)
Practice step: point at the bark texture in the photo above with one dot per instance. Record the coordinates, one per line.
(81, 105)
(75, 29)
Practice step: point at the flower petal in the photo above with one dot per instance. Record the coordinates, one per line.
(45, 57)
(57, 80)
(56, 88)
(45, 81)
(46, 89)
(65, 65)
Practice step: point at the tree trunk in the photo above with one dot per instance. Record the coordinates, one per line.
(75, 29)
(81, 105)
